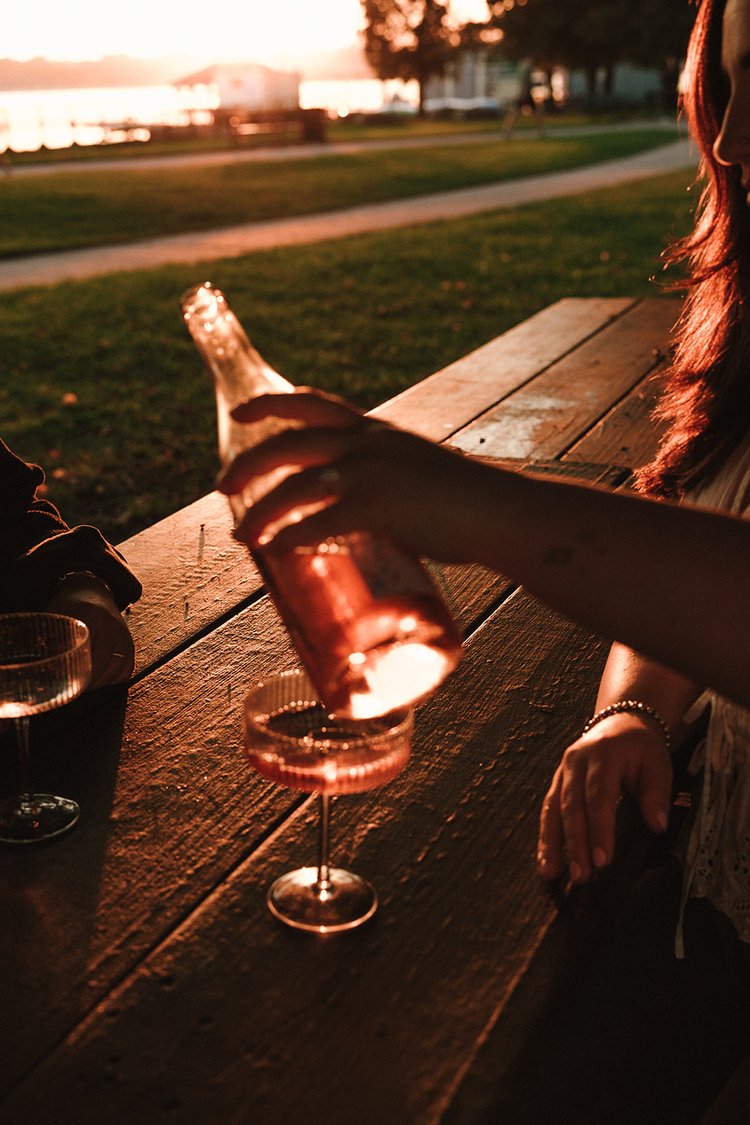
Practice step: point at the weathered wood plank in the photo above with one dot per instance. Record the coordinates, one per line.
(168, 807)
(135, 865)
(627, 435)
(235, 1019)
(193, 573)
(552, 413)
(445, 402)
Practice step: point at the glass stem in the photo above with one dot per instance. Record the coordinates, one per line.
(323, 883)
(24, 758)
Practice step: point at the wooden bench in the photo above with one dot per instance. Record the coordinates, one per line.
(143, 978)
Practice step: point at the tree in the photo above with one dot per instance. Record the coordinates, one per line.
(408, 39)
(665, 32)
(588, 35)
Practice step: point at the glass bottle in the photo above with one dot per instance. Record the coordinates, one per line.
(366, 619)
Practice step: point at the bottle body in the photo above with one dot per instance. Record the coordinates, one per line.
(366, 619)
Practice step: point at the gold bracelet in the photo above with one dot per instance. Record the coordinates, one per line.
(636, 707)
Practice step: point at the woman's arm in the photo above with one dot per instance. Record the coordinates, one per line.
(669, 581)
(624, 753)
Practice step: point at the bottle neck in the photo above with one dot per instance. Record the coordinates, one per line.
(239, 371)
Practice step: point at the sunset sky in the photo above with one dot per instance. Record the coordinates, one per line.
(264, 30)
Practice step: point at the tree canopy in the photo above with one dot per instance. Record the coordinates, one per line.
(588, 35)
(415, 39)
(408, 38)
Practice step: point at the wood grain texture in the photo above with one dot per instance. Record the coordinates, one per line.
(193, 573)
(440, 405)
(234, 1019)
(627, 435)
(550, 414)
(169, 806)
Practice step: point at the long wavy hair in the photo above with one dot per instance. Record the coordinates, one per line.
(706, 401)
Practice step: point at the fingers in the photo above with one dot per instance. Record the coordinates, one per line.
(309, 408)
(577, 824)
(563, 834)
(310, 493)
(112, 646)
(319, 430)
(655, 791)
(603, 788)
(364, 474)
(300, 448)
(112, 649)
(324, 465)
(574, 815)
(551, 847)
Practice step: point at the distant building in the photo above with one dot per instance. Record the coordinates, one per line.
(478, 79)
(248, 87)
(473, 79)
(633, 85)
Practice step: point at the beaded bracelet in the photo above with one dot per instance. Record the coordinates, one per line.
(637, 708)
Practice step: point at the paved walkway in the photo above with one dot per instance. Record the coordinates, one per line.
(47, 269)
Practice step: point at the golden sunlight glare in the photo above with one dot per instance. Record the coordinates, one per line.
(269, 31)
(235, 29)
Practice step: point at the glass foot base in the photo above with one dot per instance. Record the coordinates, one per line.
(36, 817)
(341, 903)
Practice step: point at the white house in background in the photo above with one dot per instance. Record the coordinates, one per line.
(248, 87)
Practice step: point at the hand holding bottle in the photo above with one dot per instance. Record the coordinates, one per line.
(357, 472)
(364, 616)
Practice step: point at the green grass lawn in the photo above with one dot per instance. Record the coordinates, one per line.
(64, 210)
(102, 385)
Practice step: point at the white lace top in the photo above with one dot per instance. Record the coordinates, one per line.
(717, 862)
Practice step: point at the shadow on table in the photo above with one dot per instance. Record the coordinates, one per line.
(607, 1025)
(74, 753)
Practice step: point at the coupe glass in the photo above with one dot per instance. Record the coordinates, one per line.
(45, 661)
(292, 739)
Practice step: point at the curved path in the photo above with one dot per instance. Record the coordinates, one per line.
(48, 269)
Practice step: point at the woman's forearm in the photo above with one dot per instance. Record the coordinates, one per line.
(629, 676)
(668, 581)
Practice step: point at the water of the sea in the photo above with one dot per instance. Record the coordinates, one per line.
(59, 118)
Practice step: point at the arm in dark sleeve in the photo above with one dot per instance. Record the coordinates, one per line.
(37, 547)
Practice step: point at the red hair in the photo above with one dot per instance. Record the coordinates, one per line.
(706, 402)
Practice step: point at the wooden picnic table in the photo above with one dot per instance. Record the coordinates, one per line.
(143, 979)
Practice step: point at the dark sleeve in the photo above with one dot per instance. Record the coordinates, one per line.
(37, 547)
